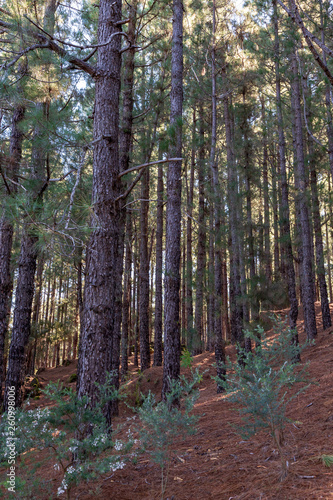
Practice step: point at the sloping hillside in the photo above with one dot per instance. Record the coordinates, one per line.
(216, 463)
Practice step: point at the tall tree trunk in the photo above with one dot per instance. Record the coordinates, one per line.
(267, 252)
(144, 275)
(218, 334)
(103, 259)
(189, 263)
(307, 270)
(285, 212)
(158, 324)
(126, 299)
(171, 367)
(201, 246)
(6, 234)
(211, 282)
(236, 309)
(319, 248)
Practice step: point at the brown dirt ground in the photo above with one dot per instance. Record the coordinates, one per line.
(216, 463)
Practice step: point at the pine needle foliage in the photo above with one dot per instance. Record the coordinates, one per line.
(165, 424)
(260, 384)
(60, 429)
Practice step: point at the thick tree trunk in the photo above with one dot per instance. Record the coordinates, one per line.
(103, 259)
(6, 235)
(171, 366)
(22, 318)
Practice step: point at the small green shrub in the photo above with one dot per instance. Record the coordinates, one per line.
(186, 359)
(327, 460)
(164, 424)
(259, 385)
(61, 429)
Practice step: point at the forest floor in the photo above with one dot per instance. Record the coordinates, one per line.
(216, 463)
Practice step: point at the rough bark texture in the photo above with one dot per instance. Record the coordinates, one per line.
(285, 213)
(22, 317)
(236, 310)
(319, 248)
(307, 270)
(173, 212)
(6, 235)
(102, 268)
(126, 299)
(267, 250)
(201, 247)
(189, 263)
(158, 324)
(144, 275)
(218, 334)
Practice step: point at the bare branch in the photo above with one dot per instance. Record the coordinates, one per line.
(144, 165)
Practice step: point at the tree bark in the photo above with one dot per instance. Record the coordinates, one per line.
(201, 246)
(171, 366)
(285, 212)
(103, 259)
(307, 270)
(6, 235)
(158, 324)
(126, 299)
(144, 275)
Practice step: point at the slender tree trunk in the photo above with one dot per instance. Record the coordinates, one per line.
(285, 212)
(325, 310)
(201, 246)
(158, 325)
(144, 275)
(218, 333)
(189, 262)
(211, 282)
(126, 299)
(171, 366)
(307, 270)
(236, 309)
(267, 251)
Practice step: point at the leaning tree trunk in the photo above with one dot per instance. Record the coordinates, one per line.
(171, 366)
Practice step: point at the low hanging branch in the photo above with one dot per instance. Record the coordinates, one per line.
(138, 177)
(144, 165)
